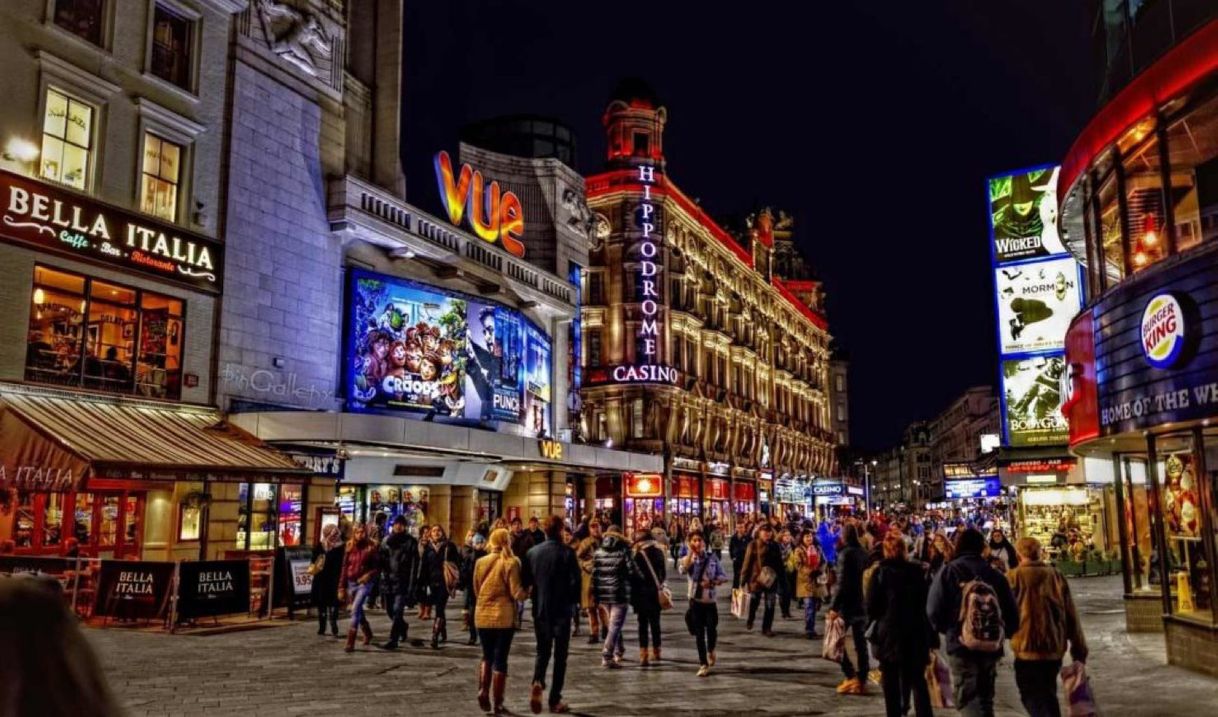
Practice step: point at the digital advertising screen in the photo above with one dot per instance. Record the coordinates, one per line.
(1023, 214)
(414, 348)
(1032, 400)
(1036, 302)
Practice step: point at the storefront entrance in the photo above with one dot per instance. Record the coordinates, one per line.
(103, 523)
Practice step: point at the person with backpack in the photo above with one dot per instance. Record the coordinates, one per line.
(1047, 621)
(702, 619)
(973, 605)
(900, 637)
(808, 586)
(848, 603)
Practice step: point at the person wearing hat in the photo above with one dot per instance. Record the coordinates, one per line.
(473, 550)
(399, 578)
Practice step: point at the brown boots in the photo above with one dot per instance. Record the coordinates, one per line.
(655, 655)
(484, 686)
(498, 686)
(350, 641)
(367, 630)
(644, 657)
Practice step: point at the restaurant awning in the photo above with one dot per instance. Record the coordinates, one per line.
(56, 442)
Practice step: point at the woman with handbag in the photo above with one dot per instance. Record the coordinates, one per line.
(361, 565)
(810, 580)
(327, 569)
(702, 618)
(645, 594)
(439, 577)
(497, 587)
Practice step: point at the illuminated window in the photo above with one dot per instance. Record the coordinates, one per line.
(642, 144)
(171, 47)
(636, 416)
(596, 288)
(190, 522)
(160, 177)
(594, 347)
(67, 140)
(83, 18)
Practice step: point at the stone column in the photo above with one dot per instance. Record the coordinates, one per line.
(439, 508)
(462, 511)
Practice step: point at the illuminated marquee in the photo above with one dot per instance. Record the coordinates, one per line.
(646, 369)
(493, 215)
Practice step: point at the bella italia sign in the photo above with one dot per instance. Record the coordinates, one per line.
(58, 220)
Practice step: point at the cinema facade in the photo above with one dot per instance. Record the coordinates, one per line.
(693, 346)
(1139, 198)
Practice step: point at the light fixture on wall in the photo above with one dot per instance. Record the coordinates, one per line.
(21, 150)
(40, 297)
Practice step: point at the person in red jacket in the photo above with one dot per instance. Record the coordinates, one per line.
(360, 569)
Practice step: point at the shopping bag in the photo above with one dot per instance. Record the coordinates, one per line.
(739, 603)
(1077, 685)
(939, 680)
(835, 640)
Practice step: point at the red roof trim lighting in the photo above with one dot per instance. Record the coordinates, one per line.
(804, 309)
(1179, 69)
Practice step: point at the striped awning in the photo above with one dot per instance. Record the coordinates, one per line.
(45, 439)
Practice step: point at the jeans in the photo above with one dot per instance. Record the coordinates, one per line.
(1037, 682)
(616, 619)
(496, 644)
(649, 620)
(359, 597)
(811, 606)
(858, 628)
(767, 618)
(706, 628)
(898, 678)
(395, 605)
(556, 637)
(973, 677)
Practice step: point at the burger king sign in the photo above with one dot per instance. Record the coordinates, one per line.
(1163, 331)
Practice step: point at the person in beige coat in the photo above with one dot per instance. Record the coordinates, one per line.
(497, 588)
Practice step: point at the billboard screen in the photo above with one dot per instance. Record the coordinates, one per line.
(1036, 302)
(1023, 214)
(449, 357)
(1032, 400)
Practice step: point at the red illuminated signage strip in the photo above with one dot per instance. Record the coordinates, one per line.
(1179, 69)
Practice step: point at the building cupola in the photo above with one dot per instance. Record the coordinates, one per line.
(634, 126)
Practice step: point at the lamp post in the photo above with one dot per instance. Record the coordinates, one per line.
(867, 489)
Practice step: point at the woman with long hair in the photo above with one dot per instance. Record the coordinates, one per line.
(361, 565)
(438, 575)
(424, 538)
(497, 587)
(327, 570)
(48, 668)
(810, 566)
(901, 633)
(941, 552)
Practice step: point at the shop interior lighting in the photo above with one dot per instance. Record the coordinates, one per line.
(21, 150)
(40, 297)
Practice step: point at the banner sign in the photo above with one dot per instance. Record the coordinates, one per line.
(990, 487)
(1023, 215)
(1032, 400)
(1036, 303)
(53, 218)
(133, 589)
(297, 560)
(444, 355)
(213, 587)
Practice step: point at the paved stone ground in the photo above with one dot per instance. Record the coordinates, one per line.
(290, 670)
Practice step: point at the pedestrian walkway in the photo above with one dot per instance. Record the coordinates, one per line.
(290, 670)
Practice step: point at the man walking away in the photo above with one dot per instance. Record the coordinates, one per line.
(848, 603)
(739, 544)
(760, 574)
(399, 578)
(612, 573)
(522, 542)
(1047, 621)
(551, 571)
(973, 605)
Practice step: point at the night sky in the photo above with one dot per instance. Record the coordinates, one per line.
(874, 123)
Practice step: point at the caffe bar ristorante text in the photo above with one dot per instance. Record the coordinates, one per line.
(80, 227)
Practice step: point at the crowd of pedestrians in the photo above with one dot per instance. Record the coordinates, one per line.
(930, 611)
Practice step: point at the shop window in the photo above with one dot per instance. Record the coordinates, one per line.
(290, 514)
(172, 38)
(1145, 205)
(1189, 549)
(1139, 526)
(67, 140)
(160, 177)
(256, 522)
(1110, 236)
(82, 519)
(52, 519)
(83, 18)
(23, 520)
(107, 525)
(1193, 148)
(103, 336)
(190, 522)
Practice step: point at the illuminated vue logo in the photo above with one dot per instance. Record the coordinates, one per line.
(648, 280)
(1163, 331)
(494, 216)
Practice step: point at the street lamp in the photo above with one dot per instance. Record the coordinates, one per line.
(867, 489)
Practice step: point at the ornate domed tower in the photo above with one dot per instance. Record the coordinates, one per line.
(634, 126)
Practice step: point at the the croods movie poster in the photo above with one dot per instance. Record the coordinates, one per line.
(442, 354)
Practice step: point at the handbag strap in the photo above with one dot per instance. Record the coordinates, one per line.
(650, 569)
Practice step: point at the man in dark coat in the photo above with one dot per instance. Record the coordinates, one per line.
(848, 604)
(399, 578)
(522, 542)
(535, 532)
(762, 553)
(612, 573)
(973, 672)
(735, 550)
(552, 572)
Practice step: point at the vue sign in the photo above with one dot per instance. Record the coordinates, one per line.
(1163, 331)
(493, 215)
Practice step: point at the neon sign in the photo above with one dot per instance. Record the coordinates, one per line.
(493, 215)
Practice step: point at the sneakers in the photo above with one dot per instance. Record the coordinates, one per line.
(704, 670)
(852, 686)
(611, 664)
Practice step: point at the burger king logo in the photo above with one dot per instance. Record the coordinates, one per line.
(1163, 331)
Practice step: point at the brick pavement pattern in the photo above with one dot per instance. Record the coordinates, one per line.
(289, 670)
